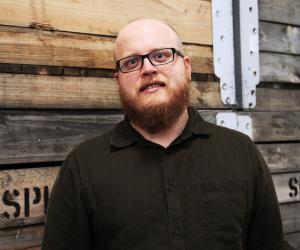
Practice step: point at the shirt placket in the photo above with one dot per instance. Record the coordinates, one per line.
(173, 203)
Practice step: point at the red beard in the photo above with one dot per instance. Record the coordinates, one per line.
(156, 117)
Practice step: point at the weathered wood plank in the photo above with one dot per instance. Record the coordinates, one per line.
(48, 136)
(294, 239)
(24, 195)
(32, 248)
(21, 237)
(270, 126)
(277, 99)
(290, 214)
(275, 126)
(192, 19)
(279, 68)
(281, 157)
(287, 11)
(27, 46)
(39, 91)
(279, 38)
(287, 186)
(29, 136)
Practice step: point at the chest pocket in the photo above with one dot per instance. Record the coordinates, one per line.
(223, 210)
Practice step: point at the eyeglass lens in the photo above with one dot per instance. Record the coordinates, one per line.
(157, 57)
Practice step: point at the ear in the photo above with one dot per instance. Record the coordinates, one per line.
(188, 67)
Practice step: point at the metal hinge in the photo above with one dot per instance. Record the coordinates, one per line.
(241, 123)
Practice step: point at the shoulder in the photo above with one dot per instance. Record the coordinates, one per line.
(226, 136)
(93, 146)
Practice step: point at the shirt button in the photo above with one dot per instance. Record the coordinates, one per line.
(176, 231)
(171, 188)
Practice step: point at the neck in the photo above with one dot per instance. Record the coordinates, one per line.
(165, 137)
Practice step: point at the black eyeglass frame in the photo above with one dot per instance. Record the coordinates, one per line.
(174, 51)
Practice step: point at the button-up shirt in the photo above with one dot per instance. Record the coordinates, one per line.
(210, 190)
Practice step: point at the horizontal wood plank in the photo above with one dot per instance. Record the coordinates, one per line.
(279, 38)
(32, 136)
(27, 46)
(277, 99)
(32, 248)
(290, 214)
(39, 91)
(279, 68)
(294, 239)
(287, 11)
(281, 157)
(21, 237)
(287, 186)
(192, 19)
(24, 195)
(275, 126)
(42, 91)
(48, 136)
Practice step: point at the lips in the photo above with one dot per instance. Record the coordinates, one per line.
(150, 85)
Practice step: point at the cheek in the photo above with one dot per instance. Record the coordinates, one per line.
(127, 84)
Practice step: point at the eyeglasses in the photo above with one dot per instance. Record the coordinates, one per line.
(156, 58)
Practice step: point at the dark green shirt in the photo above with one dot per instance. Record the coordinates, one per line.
(209, 190)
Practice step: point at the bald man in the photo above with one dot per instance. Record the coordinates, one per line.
(163, 178)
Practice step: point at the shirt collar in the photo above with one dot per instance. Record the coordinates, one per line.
(123, 135)
(196, 124)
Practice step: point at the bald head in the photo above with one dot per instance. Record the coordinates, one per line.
(141, 36)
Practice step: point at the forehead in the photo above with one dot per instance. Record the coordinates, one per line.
(144, 36)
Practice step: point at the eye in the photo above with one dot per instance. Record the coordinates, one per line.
(161, 55)
(131, 62)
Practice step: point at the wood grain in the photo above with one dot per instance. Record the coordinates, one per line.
(281, 157)
(279, 68)
(275, 126)
(294, 239)
(21, 237)
(287, 186)
(32, 136)
(279, 38)
(24, 195)
(28, 46)
(66, 92)
(192, 19)
(287, 11)
(290, 214)
(38, 91)
(277, 99)
(47, 136)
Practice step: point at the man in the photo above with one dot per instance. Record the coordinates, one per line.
(162, 178)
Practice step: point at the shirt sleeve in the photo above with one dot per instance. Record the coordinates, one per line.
(265, 225)
(67, 223)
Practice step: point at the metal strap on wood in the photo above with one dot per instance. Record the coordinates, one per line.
(236, 50)
(241, 123)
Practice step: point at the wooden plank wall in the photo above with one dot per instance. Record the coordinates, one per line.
(56, 90)
(280, 72)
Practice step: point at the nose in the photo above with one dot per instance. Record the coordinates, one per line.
(148, 68)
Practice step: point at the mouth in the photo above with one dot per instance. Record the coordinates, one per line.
(152, 85)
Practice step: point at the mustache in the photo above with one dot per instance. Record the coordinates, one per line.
(151, 83)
